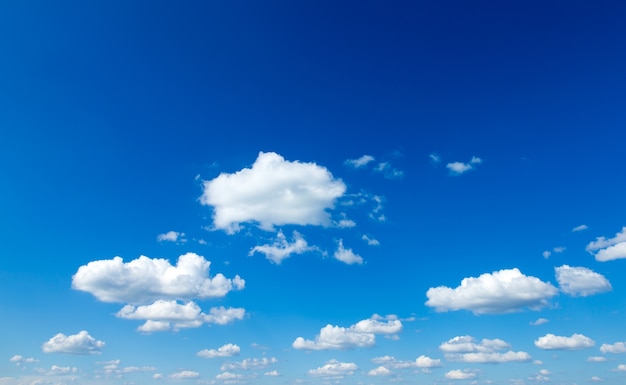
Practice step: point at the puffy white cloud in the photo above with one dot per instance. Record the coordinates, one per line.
(164, 315)
(172, 236)
(609, 249)
(427, 362)
(596, 359)
(360, 335)
(379, 371)
(458, 374)
(227, 350)
(347, 256)
(282, 249)
(540, 321)
(458, 168)
(144, 279)
(581, 281)
(466, 349)
(621, 368)
(273, 373)
(502, 291)
(273, 192)
(249, 364)
(184, 375)
(580, 228)
(359, 162)
(575, 342)
(618, 347)
(388, 171)
(81, 343)
(492, 358)
(334, 368)
(225, 376)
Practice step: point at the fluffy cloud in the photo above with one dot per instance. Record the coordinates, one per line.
(370, 241)
(144, 279)
(502, 291)
(466, 349)
(492, 358)
(184, 375)
(249, 364)
(165, 315)
(458, 168)
(273, 373)
(360, 335)
(282, 249)
(273, 192)
(618, 347)
(227, 350)
(621, 368)
(19, 360)
(347, 256)
(422, 361)
(459, 374)
(359, 162)
(575, 342)
(334, 368)
(379, 371)
(171, 236)
(228, 376)
(581, 281)
(609, 249)
(81, 343)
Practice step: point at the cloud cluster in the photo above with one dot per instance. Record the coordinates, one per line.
(282, 249)
(502, 291)
(458, 374)
(466, 349)
(458, 168)
(581, 281)
(423, 362)
(227, 350)
(184, 375)
(609, 249)
(553, 342)
(172, 236)
(360, 335)
(616, 348)
(273, 192)
(81, 343)
(335, 369)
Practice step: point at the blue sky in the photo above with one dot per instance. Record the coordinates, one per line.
(312, 192)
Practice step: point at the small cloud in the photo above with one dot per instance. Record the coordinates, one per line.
(184, 375)
(434, 158)
(273, 373)
(379, 371)
(81, 343)
(580, 228)
(370, 241)
(596, 359)
(388, 171)
(621, 368)
(609, 249)
(460, 374)
(476, 160)
(539, 321)
(616, 348)
(347, 256)
(19, 360)
(575, 342)
(282, 249)
(227, 350)
(458, 168)
(359, 162)
(546, 254)
(334, 368)
(172, 236)
(559, 249)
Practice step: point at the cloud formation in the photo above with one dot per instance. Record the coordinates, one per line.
(144, 280)
(575, 342)
(616, 348)
(81, 343)
(466, 349)
(580, 228)
(184, 375)
(172, 236)
(282, 249)
(458, 374)
(273, 192)
(609, 249)
(423, 362)
(334, 368)
(502, 291)
(581, 281)
(359, 162)
(227, 350)
(347, 256)
(458, 168)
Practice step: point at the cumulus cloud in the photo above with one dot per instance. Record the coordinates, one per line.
(359, 162)
(492, 358)
(184, 375)
(227, 350)
(282, 249)
(458, 374)
(609, 249)
(379, 371)
(172, 236)
(228, 376)
(273, 192)
(621, 368)
(580, 228)
(360, 335)
(575, 342)
(540, 321)
(502, 291)
(458, 168)
(347, 256)
(467, 349)
(334, 368)
(370, 241)
(144, 279)
(249, 364)
(581, 281)
(19, 360)
(596, 359)
(618, 347)
(423, 362)
(81, 343)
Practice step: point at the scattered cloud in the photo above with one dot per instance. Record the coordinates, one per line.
(347, 256)
(282, 249)
(184, 375)
(20, 360)
(273, 192)
(502, 291)
(546, 254)
(596, 379)
(370, 241)
(616, 348)
(359, 162)
(596, 359)
(144, 279)
(434, 158)
(227, 350)
(249, 364)
(423, 362)
(458, 374)
(458, 168)
(540, 321)
(581, 281)
(81, 343)
(388, 171)
(621, 368)
(228, 376)
(580, 228)
(609, 249)
(273, 373)
(559, 249)
(575, 342)
(360, 335)
(61, 370)
(172, 236)
(379, 371)
(334, 368)
(466, 349)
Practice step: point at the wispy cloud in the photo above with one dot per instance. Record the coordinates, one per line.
(359, 162)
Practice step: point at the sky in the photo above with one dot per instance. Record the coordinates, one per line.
(314, 192)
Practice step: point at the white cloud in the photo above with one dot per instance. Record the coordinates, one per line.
(546, 254)
(227, 350)
(575, 342)
(370, 241)
(502, 291)
(466, 349)
(609, 249)
(388, 171)
(492, 358)
(422, 361)
(434, 158)
(226, 376)
(360, 335)
(580, 228)
(596, 379)
(184, 375)
(138, 369)
(379, 371)
(222, 316)
(273, 192)
(458, 168)
(347, 256)
(61, 370)
(19, 360)
(618, 347)
(540, 321)
(359, 162)
(249, 364)
(427, 362)
(282, 249)
(459, 374)
(581, 281)
(334, 368)
(144, 279)
(81, 343)
(172, 236)
(559, 249)
(621, 368)
(273, 373)
(596, 359)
